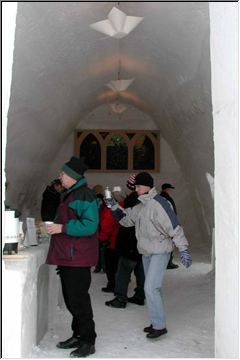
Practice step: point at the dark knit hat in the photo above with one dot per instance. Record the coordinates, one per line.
(131, 182)
(167, 186)
(75, 167)
(144, 178)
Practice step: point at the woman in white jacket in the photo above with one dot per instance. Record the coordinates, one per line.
(157, 231)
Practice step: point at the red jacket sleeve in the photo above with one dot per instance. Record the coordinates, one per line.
(108, 227)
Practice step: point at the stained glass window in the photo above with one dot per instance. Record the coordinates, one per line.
(119, 150)
(91, 149)
(117, 153)
(143, 154)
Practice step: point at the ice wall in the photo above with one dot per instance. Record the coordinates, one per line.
(224, 62)
(9, 11)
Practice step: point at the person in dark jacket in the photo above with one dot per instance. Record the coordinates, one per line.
(98, 190)
(130, 260)
(51, 198)
(74, 249)
(107, 234)
(166, 190)
(101, 265)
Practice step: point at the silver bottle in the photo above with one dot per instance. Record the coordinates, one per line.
(107, 193)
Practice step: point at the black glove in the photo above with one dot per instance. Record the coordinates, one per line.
(58, 270)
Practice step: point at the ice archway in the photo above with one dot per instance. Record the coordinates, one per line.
(60, 67)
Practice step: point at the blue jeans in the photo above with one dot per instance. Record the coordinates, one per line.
(123, 277)
(154, 269)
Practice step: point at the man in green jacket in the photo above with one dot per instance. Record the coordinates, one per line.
(74, 249)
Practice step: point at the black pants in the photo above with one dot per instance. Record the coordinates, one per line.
(111, 263)
(171, 258)
(101, 258)
(123, 277)
(75, 285)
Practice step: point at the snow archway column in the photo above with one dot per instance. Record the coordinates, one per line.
(9, 11)
(224, 67)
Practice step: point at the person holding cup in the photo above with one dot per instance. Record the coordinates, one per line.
(74, 249)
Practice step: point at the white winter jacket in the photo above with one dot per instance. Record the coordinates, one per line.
(157, 226)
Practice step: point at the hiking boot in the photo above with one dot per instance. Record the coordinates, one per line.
(148, 329)
(172, 266)
(116, 303)
(135, 300)
(108, 289)
(70, 343)
(83, 350)
(154, 333)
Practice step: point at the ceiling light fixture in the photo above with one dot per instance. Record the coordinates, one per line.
(119, 85)
(118, 108)
(118, 24)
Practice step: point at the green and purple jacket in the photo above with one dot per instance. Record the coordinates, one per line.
(77, 245)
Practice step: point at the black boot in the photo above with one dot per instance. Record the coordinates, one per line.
(83, 350)
(148, 329)
(116, 303)
(70, 343)
(172, 266)
(154, 333)
(135, 300)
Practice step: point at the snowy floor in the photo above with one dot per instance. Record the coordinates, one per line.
(189, 305)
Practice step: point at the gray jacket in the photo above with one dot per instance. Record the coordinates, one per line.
(157, 226)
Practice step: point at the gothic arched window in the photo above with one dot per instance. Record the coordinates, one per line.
(117, 153)
(91, 149)
(143, 153)
(119, 150)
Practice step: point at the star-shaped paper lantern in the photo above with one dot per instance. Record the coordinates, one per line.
(118, 24)
(119, 85)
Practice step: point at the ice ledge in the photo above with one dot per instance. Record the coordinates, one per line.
(26, 300)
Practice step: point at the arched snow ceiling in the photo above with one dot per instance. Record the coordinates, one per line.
(61, 67)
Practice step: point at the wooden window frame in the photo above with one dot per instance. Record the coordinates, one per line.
(81, 134)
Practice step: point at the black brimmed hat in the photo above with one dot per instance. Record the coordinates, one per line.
(167, 186)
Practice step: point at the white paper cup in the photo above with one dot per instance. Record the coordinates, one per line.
(48, 223)
(117, 189)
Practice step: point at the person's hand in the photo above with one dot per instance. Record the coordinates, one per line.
(54, 228)
(109, 202)
(186, 258)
